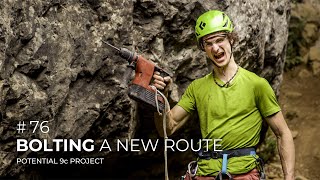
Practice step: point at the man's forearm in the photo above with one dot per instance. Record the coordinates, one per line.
(175, 119)
(287, 154)
(158, 120)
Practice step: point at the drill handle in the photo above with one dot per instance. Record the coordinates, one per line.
(163, 73)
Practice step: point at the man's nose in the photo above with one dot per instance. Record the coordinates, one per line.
(215, 48)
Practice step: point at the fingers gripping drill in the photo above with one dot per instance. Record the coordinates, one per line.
(140, 89)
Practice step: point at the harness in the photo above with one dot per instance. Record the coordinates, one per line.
(224, 155)
(230, 153)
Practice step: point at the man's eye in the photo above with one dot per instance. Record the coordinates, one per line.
(208, 43)
(220, 40)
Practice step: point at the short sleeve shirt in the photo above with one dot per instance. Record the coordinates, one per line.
(233, 114)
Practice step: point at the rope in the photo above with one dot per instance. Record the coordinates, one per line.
(164, 124)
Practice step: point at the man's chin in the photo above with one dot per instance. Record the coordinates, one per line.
(220, 63)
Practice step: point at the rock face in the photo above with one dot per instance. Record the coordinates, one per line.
(55, 69)
(304, 41)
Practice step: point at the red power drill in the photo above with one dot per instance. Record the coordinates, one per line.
(140, 90)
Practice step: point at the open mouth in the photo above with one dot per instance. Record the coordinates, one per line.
(219, 55)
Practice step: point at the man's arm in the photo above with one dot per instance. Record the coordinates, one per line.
(176, 118)
(284, 142)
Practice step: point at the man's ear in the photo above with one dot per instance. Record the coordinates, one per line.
(231, 42)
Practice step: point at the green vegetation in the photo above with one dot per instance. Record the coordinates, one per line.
(295, 42)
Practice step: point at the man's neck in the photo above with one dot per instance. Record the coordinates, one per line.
(225, 73)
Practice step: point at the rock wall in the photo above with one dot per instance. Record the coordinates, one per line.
(55, 68)
(304, 41)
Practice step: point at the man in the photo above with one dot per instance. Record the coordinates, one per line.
(232, 104)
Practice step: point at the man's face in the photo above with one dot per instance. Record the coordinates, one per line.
(218, 48)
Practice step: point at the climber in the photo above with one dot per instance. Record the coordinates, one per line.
(232, 104)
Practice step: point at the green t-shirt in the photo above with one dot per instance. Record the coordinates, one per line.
(233, 114)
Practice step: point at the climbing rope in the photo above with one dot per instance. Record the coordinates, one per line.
(164, 124)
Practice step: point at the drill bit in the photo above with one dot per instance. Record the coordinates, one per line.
(111, 46)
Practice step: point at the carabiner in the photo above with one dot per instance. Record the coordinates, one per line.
(192, 168)
(221, 175)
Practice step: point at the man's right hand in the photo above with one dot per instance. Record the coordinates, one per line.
(161, 83)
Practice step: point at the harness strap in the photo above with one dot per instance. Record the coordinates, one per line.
(202, 154)
(224, 163)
